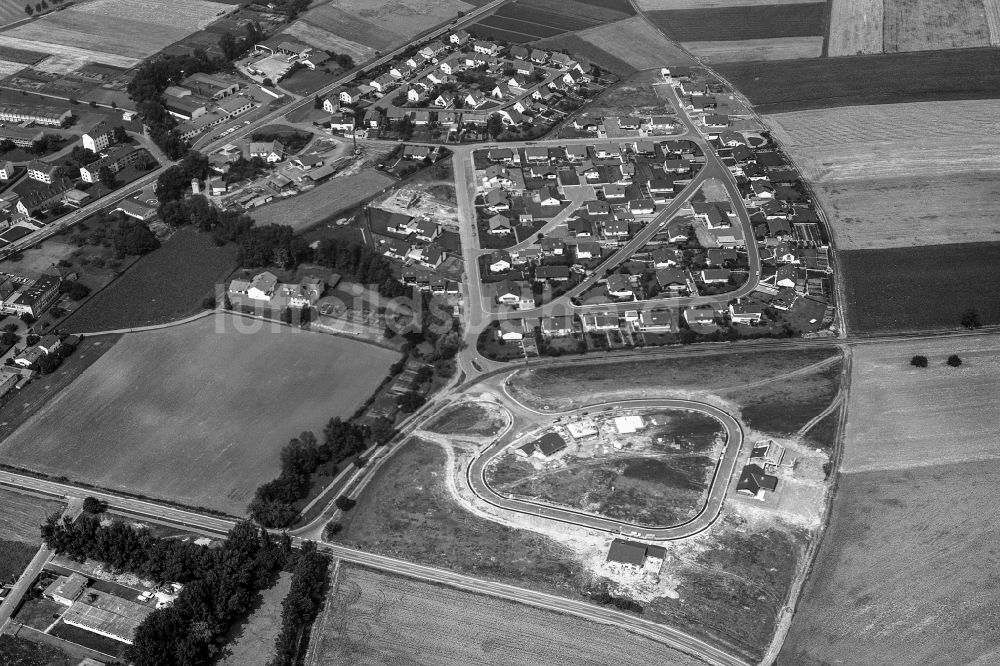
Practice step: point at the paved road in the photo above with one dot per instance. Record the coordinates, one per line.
(718, 488)
(28, 576)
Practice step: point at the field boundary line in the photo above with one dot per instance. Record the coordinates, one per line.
(319, 637)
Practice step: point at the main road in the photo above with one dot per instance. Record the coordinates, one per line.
(718, 486)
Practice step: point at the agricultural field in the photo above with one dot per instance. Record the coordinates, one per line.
(403, 17)
(564, 387)
(539, 19)
(380, 618)
(658, 479)
(469, 418)
(637, 43)
(816, 83)
(408, 512)
(332, 19)
(20, 516)
(573, 43)
(856, 27)
(11, 11)
(16, 651)
(337, 194)
(114, 32)
(742, 22)
(654, 5)
(324, 39)
(254, 638)
(920, 288)
(900, 416)
(928, 25)
(905, 572)
(781, 48)
(190, 262)
(207, 405)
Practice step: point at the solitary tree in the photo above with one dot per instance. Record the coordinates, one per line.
(970, 319)
(919, 361)
(344, 503)
(28, 10)
(107, 177)
(93, 505)
(954, 360)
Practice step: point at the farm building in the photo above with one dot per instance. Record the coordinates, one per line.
(107, 615)
(754, 481)
(66, 590)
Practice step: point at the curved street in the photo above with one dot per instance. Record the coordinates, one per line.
(718, 486)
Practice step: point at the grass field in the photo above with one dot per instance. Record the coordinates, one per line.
(407, 512)
(901, 416)
(569, 386)
(207, 405)
(743, 22)
(856, 27)
(927, 25)
(793, 85)
(379, 618)
(19, 536)
(189, 262)
(254, 638)
(21, 652)
(905, 573)
(780, 48)
(992, 10)
(636, 42)
(920, 288)
(468, 418)
(337, 194)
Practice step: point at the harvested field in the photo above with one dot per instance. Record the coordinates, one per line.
(324, 39)
(403, 17)
(901, 416)
(920, 288)
(906, 551)
(569, 386)
(65, 57)
(469, 418)
(636, 42)
(11, 11)
(856, 27)
(744, 22)
(928, 25)
(793, 85)
(333, 19)
(992, 9)
(573, 43)
(256, 635)
(192, 264)
(208, 405)
(539, 19)
(408, 512)
(10, 68)
(781, 48)
(337, 194)
(380, 618)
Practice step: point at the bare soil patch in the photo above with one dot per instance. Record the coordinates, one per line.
(468, 418)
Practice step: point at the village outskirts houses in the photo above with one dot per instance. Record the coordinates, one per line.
(265, 291)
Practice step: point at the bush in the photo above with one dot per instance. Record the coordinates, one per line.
(344, 503)
(970, 319)
(208, 303)
(94, 505)
(919, 361)
(954, 361)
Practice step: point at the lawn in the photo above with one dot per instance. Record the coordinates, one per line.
(89, 639)
(249, 642)
(21, 652)
(906, 571)
(567, 386)
(336, 195)
(919, 288)
(19, 535)
(900, 416)
(793, 85)
(197, 413)
(407, 512)
(742, 22)
(379, 618)
(39, 613)
(167, 284)
(468, 418)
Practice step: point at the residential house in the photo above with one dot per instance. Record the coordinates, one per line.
(499, 261)
(512, 330)
(600, 322)
(36, 297)
(383, 83)
(587, 251)
(700, 316)
(497, 200)
(459, 37)
(551, 273)
(269, 151)
(42, 172)
(754, 481)
(744, 313)
(486, 48)
(99, 136)
(508, 293)
(672, 279)
(499, 225)
(619, 285)
(658, 321)
(7, 170)
(552, 247)
(557, 327)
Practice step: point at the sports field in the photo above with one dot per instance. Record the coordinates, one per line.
(742, 22)
(197, 413)
(637, 43)
(920, 288)
(793, 85)
(906, 570)
(114, 32)
(779, 48)
(376, 618)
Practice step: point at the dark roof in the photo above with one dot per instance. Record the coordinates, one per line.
(754, 479)
(627, 552)
(549, 272)
(550, 443)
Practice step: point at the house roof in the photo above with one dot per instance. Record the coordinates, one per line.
(624, 551)
(550, 272)
(753, 479)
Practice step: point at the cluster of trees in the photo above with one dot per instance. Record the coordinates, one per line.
(146, 90)
(233, 47)
(175, 182)
(77, 290)
(301, 605)
(360, 262)
(245, 169)
(291, 8)
(220, 585)
(274, 502)
(604, 597)
(131, 236)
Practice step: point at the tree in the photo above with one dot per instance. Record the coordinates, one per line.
(94, 505)
(77, 291)
(411, 401)
(494, 125)
(344, 503)
(8, 339)
(132, 237)
(119, 135)
(229, 46)
(919, 361)
(954, 361)
(28, 10)
(208, 303)
(970, 319)
(107, 177)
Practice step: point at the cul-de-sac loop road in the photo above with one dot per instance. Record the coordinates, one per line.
(719, 485)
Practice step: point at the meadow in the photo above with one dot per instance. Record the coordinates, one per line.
(468, 418)
(197, 413)
(380, 618)
(794, 85)
(900, 416)
(905, 573)
(920, 288)
(254, 637)
(742, 22)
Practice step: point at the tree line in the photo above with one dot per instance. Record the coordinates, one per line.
(274, 502)
(220, 585)
(301, 605)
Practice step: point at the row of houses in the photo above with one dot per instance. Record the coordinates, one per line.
(265, 290)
